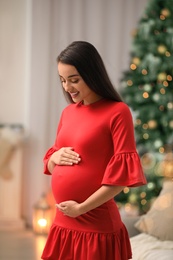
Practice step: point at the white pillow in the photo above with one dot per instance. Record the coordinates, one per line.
(158, 221)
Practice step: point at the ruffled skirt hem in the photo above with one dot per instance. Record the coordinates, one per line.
(67, 244)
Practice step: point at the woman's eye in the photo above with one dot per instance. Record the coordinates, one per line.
(70, 81)
(74, 81)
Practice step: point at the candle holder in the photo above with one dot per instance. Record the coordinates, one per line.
(42, 216)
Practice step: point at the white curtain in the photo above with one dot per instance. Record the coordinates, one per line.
(107, 24)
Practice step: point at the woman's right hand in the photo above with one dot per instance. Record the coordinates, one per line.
(64, 156)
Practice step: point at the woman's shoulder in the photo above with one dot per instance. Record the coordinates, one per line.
(117, 110)
(118, 106)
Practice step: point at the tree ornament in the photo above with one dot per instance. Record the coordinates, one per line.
(146, 136)
(143, 194)
(165, 12)
(167, 54)
(145, 94)
(133, 66)
(151, 185)
(138, 121)
(171, 124)
(162, 49)
(167, 165)
(132, 198)
(129, 82)
(165, 83)
(156, 97)
(162, 91)
(158, 143)
(152, 124)
(144, 72)
(162, 76)
(161, 149)
(170, 105)
(147, 87)
(161, 108)
(169, 77)
(145, 126)
(148, 161)
(136, 61)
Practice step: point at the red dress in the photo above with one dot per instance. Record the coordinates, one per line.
(103, 134)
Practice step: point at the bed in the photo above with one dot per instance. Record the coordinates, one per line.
(151, 234)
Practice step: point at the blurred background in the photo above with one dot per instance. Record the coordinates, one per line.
(135, 40)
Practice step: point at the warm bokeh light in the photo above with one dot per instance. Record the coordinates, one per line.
(42, 222)
(145, 95)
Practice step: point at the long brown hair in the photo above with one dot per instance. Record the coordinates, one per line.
(88, 62)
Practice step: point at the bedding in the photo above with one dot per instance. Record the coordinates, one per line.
(155, 242)
(158, 221)
(147, 247)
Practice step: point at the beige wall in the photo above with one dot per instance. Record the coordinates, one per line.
(13, 36)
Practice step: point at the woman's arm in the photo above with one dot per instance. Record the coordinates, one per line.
(73, 209)
(102, 195)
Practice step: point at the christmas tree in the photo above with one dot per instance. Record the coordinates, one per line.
(147, 87)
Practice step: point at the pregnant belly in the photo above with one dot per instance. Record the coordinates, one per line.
(73, 183)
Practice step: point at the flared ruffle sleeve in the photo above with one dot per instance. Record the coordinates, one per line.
(124, 168)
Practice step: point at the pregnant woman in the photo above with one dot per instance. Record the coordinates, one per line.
(93, 158)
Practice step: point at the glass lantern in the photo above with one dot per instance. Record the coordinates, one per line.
(42, 216)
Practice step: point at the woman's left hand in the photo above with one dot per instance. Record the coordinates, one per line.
(69, 208)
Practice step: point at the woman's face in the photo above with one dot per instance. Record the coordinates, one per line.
(73, 83)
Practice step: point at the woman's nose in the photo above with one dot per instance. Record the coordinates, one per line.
(67, 86)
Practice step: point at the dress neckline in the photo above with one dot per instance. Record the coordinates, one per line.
(96, 103)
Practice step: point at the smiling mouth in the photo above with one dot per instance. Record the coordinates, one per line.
(74, 94)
